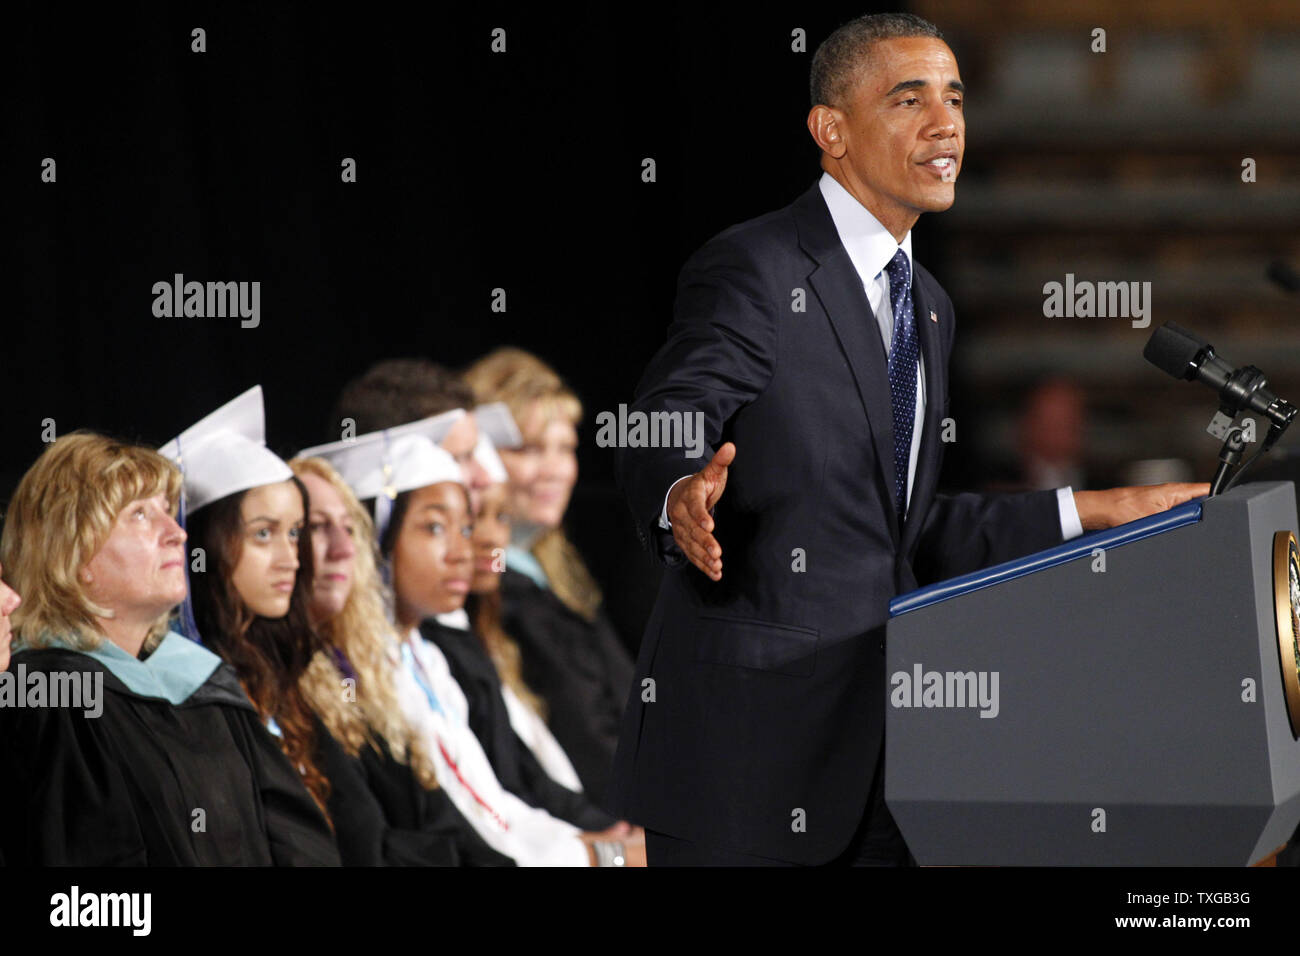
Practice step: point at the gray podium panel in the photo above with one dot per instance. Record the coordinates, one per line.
(1126, 716)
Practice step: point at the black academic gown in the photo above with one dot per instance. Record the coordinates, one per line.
(516, 767)
(125, 788)
(580, 668)
(383, 816)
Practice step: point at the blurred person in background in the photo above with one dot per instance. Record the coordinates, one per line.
(491, 538)
(552, 606)
(1049, 434)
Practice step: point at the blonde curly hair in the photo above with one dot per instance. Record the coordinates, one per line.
(526, 383)
(362, 634)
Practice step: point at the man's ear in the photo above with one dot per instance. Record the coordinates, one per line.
(826, 124)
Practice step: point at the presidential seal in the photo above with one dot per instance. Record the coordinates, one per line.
(1286, 597)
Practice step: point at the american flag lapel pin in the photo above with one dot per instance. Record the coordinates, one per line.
(933, 318)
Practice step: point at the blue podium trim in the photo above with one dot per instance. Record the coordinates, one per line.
(1184, 514)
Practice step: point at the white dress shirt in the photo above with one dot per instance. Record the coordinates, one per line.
(871, 247)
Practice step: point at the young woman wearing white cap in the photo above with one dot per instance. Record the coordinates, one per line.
(245, 514)
(421, 513)
(250, 606)
(352, 687)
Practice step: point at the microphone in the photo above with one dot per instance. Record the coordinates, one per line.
(1185, 355)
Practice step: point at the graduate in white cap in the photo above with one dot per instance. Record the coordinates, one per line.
(431, 552)
(158, 758)
(245, 513)
(393, 392)
(425, 529)
(248, 514)
(352, 687)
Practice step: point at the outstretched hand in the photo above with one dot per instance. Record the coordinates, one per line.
(689, 504)
(1115, 506)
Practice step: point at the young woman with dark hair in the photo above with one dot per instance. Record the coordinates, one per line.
(250, 606)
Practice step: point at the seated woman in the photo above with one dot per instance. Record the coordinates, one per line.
(245, 514)
(352, 686)
(162, 760)
(431, 579)
(392, 395)
(247, 517)
(9, 601)
(413, 484)
(571, 655)
(491, 537)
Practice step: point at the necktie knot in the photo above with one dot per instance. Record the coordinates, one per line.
(900, 275)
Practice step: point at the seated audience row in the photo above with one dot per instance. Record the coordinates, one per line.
(243, 660)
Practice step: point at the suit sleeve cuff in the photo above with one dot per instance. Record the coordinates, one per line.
(1071, 526)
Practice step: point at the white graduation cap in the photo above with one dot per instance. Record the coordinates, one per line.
(495, 421)
(485, 454)
(226, 452)
(395, 459)
(383, 464)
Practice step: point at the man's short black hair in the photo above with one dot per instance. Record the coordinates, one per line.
(397, 391)
(840, 60)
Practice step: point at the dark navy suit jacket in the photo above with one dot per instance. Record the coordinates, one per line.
(761, 723)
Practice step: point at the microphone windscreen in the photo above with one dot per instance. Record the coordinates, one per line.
(1173, 349)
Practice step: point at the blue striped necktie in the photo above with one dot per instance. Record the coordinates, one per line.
(903, 354)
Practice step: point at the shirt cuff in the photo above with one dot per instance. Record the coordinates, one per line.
(663, 514)
(1071, 526)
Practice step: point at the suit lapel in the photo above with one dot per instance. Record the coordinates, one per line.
(838, 287)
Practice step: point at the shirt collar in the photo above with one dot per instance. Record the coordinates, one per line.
(458, 619)
(868, 243)
(517, 559)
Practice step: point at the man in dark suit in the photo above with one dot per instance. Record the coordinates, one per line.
(815, 353)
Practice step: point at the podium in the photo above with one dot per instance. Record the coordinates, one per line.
(1131, 697)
